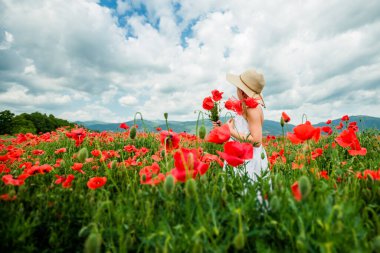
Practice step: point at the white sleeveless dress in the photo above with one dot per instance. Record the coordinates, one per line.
(259, 162)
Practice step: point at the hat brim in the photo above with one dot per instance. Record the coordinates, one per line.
(235, 80)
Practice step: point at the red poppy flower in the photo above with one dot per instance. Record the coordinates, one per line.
(187, 165)
(78, 167)
(340, 126)
(4, 158)
(169, 139)
(96, 182)
(304, 132)
(296, 191)
(285, 117)
(68, 182)
(345, 118)
(216, 95)
(234, 105)
(208, 158)
(375, 175)
(78, 135)
(95, 152)
(60, 150)
(235, 153)
(220, 134)
(360, 151)
(327, 130)
(229, 104)
(316, 153)
(158, 129)
(4, 169)
(59, 179)
(353, 126)
(151, 175)
(251, 102)
(38, 152)
(328, 122)
(348, 138)
(156, 158)
(7, 197)
(65, 181)
(124, 126)
(130, 148)
(296, 166)
(324, 174)
(208, 104)
(8, 179)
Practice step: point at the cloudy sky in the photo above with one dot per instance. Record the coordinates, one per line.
(104, 60)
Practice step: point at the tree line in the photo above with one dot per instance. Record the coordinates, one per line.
(35, 122)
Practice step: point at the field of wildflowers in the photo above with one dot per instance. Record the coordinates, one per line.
(72, 190)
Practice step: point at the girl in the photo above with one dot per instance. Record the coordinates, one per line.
(250, 123)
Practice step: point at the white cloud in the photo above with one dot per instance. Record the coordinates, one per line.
(108, 95)
(315, 56)
(92, 112)
(122, 7)
(19, 95)
(7, 40)
(128, 100)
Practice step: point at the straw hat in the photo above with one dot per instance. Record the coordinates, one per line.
(251, 82)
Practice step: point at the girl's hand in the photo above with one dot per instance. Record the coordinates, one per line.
(231, 124)
(216, 124)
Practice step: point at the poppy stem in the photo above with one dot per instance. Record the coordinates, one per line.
(166, 121)
(142, 120)
(166, 154)
(231, 116)
(196, 127)
(304, 115)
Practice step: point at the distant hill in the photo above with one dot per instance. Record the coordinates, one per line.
(364, 122)
(270, 127)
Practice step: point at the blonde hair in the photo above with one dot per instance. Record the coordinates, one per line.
(244, 105)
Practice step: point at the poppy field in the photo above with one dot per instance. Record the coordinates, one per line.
(74, 190)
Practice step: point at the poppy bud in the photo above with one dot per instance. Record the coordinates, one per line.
(300, 245)
(83, 231)
(376, 244)
(113, 164)
(166, 115)
(83, 155)
(202, 132)
(132, 133)
(197, 248)
(190, 188)
(163, 153)
(262, 156)
(224, 193)
(282, 122)
(216, 231)
(169, 184)
(239, 241)
(367, 194)
(305, 186)
(204, 179)
(93, 243)
(275, 203)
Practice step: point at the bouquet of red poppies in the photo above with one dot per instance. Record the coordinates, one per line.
(212, 105)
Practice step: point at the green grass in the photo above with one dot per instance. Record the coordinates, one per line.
(217, 212)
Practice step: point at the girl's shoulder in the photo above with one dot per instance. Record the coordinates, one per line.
(256, 113)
